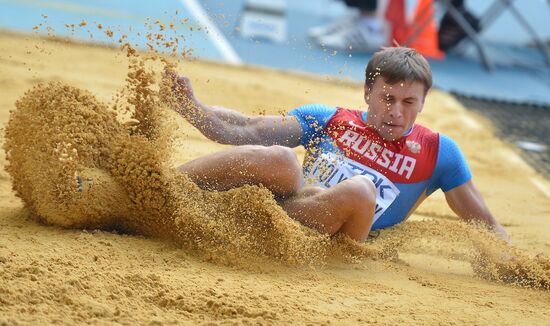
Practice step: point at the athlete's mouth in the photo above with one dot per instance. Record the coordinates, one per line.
(391, 125)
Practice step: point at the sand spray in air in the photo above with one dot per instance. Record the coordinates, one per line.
(490, 258)
(78, 162)
(75, 164)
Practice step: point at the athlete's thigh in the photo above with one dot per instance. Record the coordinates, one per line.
(221, 170)
(275, 167)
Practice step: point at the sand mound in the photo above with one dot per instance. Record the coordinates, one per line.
(80, 163)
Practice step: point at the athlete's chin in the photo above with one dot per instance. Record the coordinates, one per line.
(391, 134)
(390, 138)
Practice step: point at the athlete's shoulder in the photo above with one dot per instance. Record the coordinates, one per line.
(313, 119)
(451, 166)
(315, 111)
(446, 143)
(346, 114)
(424, 131)
(424, 136)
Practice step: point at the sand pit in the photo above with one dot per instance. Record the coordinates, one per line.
(74, 165)
(188, 255)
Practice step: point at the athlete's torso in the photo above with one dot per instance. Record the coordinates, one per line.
(405, 171)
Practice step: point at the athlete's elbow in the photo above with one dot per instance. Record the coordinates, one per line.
(246, 136)
(230, 139)
(235, 135)
(221, 134)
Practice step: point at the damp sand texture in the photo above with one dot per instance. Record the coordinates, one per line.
(52, 274)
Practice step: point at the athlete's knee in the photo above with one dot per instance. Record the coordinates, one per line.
(311, 191)
(277, 166)
(273, 155)
(360, 203)
(361, 191)
(282, 156)
(284, 165)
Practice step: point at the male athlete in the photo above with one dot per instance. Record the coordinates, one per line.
(363, 170)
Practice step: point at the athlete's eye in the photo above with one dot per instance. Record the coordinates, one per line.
(388, 99)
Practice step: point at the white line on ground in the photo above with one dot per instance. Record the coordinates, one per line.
(541, 186)
(217, 38)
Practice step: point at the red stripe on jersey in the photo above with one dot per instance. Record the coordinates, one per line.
(409, 159)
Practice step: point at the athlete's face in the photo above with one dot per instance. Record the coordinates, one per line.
(393, 108)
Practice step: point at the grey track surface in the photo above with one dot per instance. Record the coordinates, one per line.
(517, 122)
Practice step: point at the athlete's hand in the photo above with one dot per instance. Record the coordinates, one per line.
(181, 89)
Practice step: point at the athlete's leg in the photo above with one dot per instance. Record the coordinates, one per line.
(347, 207)
(275, 167)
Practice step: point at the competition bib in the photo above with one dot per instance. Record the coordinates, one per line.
(329, 169)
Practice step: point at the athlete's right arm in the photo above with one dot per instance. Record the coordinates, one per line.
(228, 126)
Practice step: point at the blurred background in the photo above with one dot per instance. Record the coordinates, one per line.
(492, 55)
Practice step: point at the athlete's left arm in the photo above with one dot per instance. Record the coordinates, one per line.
(466, 201)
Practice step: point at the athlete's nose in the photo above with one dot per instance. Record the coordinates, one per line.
(395, 110)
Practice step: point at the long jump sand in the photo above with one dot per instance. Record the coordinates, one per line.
(188, 265)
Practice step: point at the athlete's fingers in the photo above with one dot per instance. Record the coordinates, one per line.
(173, 77)
(181, 81)
(181, 85)
(184, 89)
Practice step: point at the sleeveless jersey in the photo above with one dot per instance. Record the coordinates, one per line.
(340, 145)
